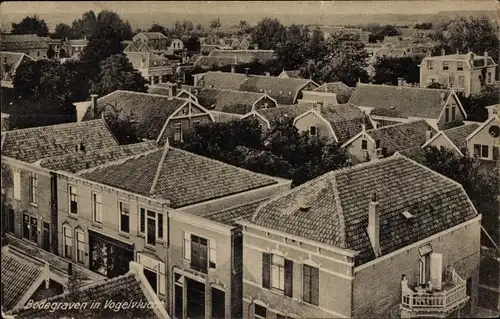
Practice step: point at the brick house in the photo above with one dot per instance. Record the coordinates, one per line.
(338, 123)
(139, 208)
(376, 143)
(385, 103)
(30, 191)
(155, 117)
(339, 245)
(467, 73)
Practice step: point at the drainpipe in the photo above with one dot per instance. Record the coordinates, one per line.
(250, 307)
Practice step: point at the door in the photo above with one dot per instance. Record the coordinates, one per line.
(218, 304)
(436, 270)
(195, 299)
(152, 278)
(46, 236)
(178, 302)
(34, 230)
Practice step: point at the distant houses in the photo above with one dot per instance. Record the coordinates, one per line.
(29, 44)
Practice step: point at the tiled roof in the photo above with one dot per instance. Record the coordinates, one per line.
(292, 111)
(390, 52)
(78, 42)
(118, 289)
(141, 60)
(149, 111)
(291, 73)
(183, 178)
(333, 208)
(231, 215)
(416, 153)
(346, 120)
(33, 144)
(220, 117)
(401, 136)
(22, 42)
(283, 90)
(395, 101)
(209, 61)
(244, 56)
(342, 91)
(84, 160)
(458, 135)
(9, 63)
(227, 101)
(153, 35)
(18, 276)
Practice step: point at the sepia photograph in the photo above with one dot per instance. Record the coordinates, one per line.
(250, 159)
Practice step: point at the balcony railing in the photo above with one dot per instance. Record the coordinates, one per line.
(441, 302)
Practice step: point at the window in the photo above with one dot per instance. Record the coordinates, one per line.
(446, 66)
(453, 113)
(151, 225)
(97, 207)
(34, 229)
(17, 185)
(260, 312)
(80, 247)
(142, 223)
(490, 78)
(278, 272)
(364, 144)
(33, 188)
(73, 200)
(201, 252)
(313, 130)
(460, 66)
(477, 150)
(212, 254)
(484, 151)
(11, 220)
(68, 241)
(311, 285)
(124, 217)
(447, 115)
(461, 82)
(160, 226)
(26, 226)
(430, 65)
(177, 132)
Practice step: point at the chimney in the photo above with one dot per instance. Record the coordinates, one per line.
(443, 52)
(428, 53)
(246, 71)
(318, 107)
(486, 58)
(172, 89)
(268, 73)
(428, 135)
(374, 224)
(93, 105)
(233, 68)
(443, 95)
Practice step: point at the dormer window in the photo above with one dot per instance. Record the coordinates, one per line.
(460, 66)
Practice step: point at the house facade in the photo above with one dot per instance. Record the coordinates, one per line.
(154, 40)
(484, 142)
(10, 62)
(153, 67)
(454, 139)
(467, 73)
(296, 270)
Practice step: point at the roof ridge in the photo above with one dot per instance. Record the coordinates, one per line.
(338, 204)
(397, 124)
(143, 93)
(459, 127)
(115, 162)
(158, 169)
(54, 125)
(229, 90)
(264, 199)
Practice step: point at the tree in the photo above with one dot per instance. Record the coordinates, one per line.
(316, 47)
(291, 50)
(158, 28)
(63, 31)
(379, 32)
(475, 104)
(187, 26)
(44, 97)
(344, 61)
(117, 73)
(31, 25)
(268, 33)
(120, 124)
(85, 26)
(215, 24)
(424, 26)
(51, 53)
(389, 69)
(193, 44)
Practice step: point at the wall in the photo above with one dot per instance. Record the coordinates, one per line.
(261, 103)
(221, 276)
(187, 123)
(442, 141)
(41, 209)
(484, 138)
(354, 149)
(335, 277)
(302, 123)
(459, 116)
(460, 249)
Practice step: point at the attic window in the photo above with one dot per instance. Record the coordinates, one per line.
(82, 147)
(407, 215)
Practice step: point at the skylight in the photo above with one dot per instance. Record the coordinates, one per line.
(407, 215)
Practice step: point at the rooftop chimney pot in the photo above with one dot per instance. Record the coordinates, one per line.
(93, 104)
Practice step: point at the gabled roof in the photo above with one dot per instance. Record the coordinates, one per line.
(333, 208)
(22, 42)
(149, 111)
(342, 91)
(290, 74)
(483, 125)
(132, 287)
(456, 135)
(178, 176)
(141, 59)
(283, 90)
(152, 35)
(227, 101)
(400, 136)
(400, 101)
(244, 56)
(85, 160)
(275, 113)
(230, 215)
(10, 61)
(32, 144)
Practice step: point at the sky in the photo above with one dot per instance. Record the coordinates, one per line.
(224, 7)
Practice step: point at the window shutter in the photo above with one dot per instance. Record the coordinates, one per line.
(288, 278)
(314, 286)
(306, 283)
(266, 270)
(436, 270)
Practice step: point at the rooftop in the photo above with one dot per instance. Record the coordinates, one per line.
(10, 62)
(22, 42)
(181, 177)
(244, 56)
(458, 135)
(32, 144)
(231, 215)
(333, 208)
(227, 101)
(400, 101)
(75, 162)
(141, 60)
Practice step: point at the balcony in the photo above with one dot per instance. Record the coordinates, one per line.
(441, 303)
